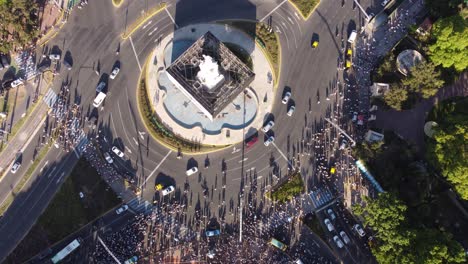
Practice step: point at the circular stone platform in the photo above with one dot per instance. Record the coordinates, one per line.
(407, 59)
(242, 117)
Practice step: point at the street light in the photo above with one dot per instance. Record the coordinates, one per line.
(363, 11)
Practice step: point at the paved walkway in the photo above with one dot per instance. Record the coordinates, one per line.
(260, 85)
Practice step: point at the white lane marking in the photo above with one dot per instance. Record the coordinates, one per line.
(170, 16)
(134, 51)
(60, 178)
(272, 11)
(76, 153)
(290, 20)
(52, 172)
(45, 164)
(142, 135)
(243, 160)
(278, 30)
(108, 251)
(280, 152)
(136, 141)
(128, 149)
(157, 167)
(295, 13)
(147, 24)
(151, 33)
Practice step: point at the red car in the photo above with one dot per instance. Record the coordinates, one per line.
(251, 142)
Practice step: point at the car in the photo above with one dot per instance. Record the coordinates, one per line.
(81, 195)
(210, 233)
(359, 230)
(54, 56)
(348, 64)
(345, 237)
(268, 126)
(274, 242)
(114, 72)
(15, 167)
(315, 44)
(108, 157)
(251, 142)
(67, 64)
(355, 115)
(158, 187)
(100, 87)
(16, 83)
(291, 110)
(286, 97)
(349, 52)
(338, 241)
(117, 152)
(167, 190)
(331, 214)
(329, 224)
(121, 209)
(99, 99)
(269, 141)
(343, 144)
(191, 171)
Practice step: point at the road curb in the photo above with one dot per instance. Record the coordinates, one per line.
(117, 5)
(46, 38)
(125, 35)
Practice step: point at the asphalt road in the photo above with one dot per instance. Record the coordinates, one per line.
(92, 37)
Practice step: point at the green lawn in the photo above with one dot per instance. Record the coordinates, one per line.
(67, 212)
(286, 191)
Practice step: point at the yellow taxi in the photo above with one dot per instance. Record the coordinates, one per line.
(348, 64)
(349, 52)
(315, 44)
(158, 187)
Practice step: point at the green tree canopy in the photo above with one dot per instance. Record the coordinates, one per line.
(395, 97)
(451, 45)
(442, 8)
(424, 79)
(435, 247)
(19, 25)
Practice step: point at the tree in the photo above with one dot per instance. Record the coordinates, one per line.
(395, 97)
(451, 45)
(442, 8)
(424, 79)
(19, 25)
(434, 247)
(386, 217)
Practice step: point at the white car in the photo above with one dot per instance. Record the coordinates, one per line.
(99, 99)
(331, 214)
(338, 241)
(114, 72)
(54, 56)
(16, 83)
(359, 230)
(286, 97)
(269, 141)
(329, 225)
(100, 87)
(81, 195)
(167, 190)
(291, 110)
(268, 126)
(117, 152)
(15, 167)
(108, 157)
(121, 209)
(345, 237)
(191, 171)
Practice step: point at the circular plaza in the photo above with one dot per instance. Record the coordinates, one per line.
(210, 83)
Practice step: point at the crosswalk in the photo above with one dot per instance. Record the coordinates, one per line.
(275, 220)
(50, 98)
(320, 197)
(140, 206)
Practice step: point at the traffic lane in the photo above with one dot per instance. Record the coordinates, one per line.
(30, 204)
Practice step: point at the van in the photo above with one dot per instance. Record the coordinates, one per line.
(352, 36)
(99, 99)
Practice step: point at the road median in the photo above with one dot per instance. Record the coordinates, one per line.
(305, 7)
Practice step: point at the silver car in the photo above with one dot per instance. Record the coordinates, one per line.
(338, 241)
(291, 110)
(268, 126)
(167, 190)
(108, 158)
(269, 141)
(117, 152)
(114, 72)
(345, 237)
(329, 224)
(15, 167)
(286, 97)
(100, 87)
(122, 209)
(54, 56)
(191, 171)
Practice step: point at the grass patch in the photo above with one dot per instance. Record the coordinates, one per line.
(240, 53)
(287, 190)
(305, 6)
(269, 41)
(160, 132)
(67, 212)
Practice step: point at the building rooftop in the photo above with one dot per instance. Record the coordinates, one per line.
(210, 75)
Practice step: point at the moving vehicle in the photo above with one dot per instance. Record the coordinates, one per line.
(158, 187)
(331, 214)
(291, 110)
(274, 242)
(117, 152)
(269, 141)
(66, 251)
(54, 56)
(108, 158)
(251, 142)
(329, 224)
(211, 233)
(15, 167)
(286, 97)
(338, 241)
(315, 44)
(167, 190)
(352, 36)
(359, 230)
(121, 209)
(191, 171)
(99, 99)
(100, 87)
(16, 83)
(345, 237)
(114, 72)
(268, 126)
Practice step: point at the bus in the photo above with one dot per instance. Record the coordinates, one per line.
(278, 244)
(66, 251)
